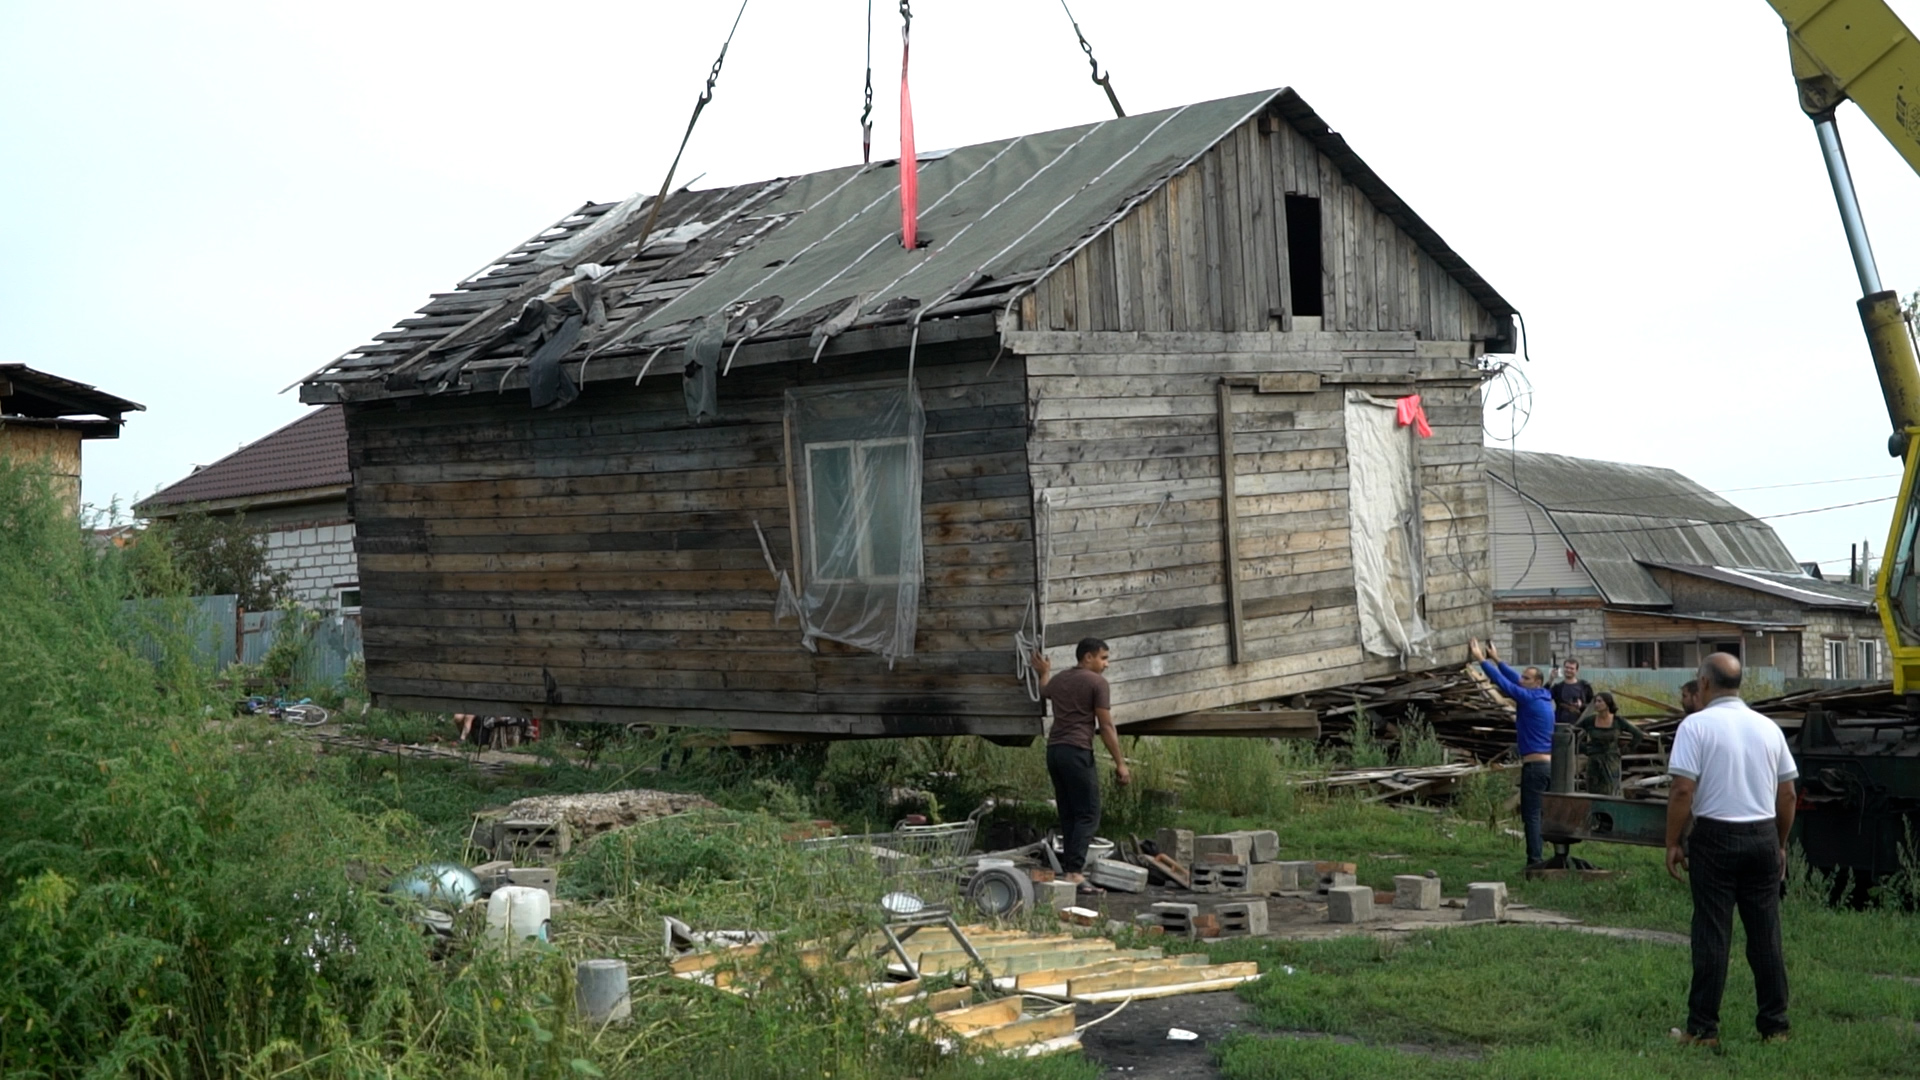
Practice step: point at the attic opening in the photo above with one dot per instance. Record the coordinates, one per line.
(1303, 254)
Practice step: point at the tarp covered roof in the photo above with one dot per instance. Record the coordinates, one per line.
(794, 253)
(1618, 516)
(308, 454)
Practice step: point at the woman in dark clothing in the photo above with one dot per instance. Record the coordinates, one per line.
(1600, 731)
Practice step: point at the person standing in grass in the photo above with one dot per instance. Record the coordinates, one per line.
(1082, 704)
(1733, 781)
(1600, 729)
(1572, 694)
(1533, 735)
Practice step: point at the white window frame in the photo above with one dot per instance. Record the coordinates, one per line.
(864, 573)
(1869, 658)
(1836, 658)
(340, 599)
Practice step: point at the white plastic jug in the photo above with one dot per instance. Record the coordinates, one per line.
(518, 912)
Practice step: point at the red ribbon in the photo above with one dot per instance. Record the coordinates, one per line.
(909, 165)
(1407, 410)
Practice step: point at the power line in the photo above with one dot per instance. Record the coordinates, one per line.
(1573, 533)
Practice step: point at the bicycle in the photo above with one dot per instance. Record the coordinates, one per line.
(302, 713)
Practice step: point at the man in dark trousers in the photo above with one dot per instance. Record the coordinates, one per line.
(1081, 705)
(1571, 695)
(1733, 779)
(1533, 735)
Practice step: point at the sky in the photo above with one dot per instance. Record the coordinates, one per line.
(203, 202)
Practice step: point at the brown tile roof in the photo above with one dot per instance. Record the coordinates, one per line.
(311, 452)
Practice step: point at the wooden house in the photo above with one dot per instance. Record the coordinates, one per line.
(44, 418)
(1156, 365)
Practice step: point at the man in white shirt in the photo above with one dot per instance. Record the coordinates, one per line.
(1733, 779)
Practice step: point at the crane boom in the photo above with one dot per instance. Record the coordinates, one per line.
(1859, 50)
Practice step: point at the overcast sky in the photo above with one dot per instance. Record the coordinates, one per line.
(202, 202)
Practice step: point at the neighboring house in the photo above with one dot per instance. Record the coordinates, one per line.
(294, 483)
(44, 418)
(817, 482)
(1630, 566)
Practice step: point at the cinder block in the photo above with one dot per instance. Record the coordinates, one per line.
(1265, 845)
(1299, 875)
(1177, 843)
(1243, 919)
(534, 877)
(1239, 845)
(492, 875)
(1268, 878)
(1212, 877)
(1416, 892)
(1175, 918)
(1114, 874)
(1054, 895)
(1336, 879)
(1486, 900)
(1349, 904)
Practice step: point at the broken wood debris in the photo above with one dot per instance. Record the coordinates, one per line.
(1044, 975)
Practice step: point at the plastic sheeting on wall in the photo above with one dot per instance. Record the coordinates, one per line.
(1384, 509)
(856, 471)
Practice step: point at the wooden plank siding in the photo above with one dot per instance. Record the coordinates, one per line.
(1125, 465)
(601, 562)
(1208, 251)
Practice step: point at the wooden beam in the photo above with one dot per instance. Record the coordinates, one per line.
(1230, 526)
(1273, 724)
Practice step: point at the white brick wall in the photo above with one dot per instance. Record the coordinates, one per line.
(317, 560)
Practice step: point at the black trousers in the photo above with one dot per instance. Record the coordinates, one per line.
(1076, 789)
(1535, 778)
(1735, 864)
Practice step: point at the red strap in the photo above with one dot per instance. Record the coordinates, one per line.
(1407, 410)
(909, 165)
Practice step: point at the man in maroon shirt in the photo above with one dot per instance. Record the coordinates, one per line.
(1081, 705)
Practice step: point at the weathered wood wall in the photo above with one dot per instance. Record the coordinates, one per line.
(55, 449)
(1208, 251)
(600, 562)
(1125, 462)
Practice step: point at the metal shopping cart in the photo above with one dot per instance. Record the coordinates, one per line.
(911, 874)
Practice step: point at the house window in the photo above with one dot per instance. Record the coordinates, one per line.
(1303, 255)
(348, 599)
(1836, 658)
(856, 509)
(1541, 644)
(1869, 659)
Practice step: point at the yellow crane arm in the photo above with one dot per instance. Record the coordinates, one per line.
(1868, 55)
(1859, 50)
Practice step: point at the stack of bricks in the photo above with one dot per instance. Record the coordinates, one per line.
(529, 842)
(1237, 861)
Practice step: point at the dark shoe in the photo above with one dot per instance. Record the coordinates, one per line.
(1687, 1038)
(1777, 1037)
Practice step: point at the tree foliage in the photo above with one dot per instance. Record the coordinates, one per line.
(200, 554)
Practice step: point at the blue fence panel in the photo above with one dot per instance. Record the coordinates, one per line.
(206, 623)
(1663, 684)
(333, 645)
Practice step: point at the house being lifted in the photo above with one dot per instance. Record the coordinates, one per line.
(765, 469)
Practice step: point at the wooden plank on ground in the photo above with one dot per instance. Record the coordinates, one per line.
(1136, 980)
(1052, 1025)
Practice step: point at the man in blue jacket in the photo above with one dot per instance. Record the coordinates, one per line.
(1533, 731)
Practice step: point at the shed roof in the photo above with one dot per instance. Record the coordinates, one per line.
(1797, 588)
(1617, 517)
(39, 398)
(794, 253)
(305, 457)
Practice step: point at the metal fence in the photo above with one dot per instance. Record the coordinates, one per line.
(1664, 683)
(207, 625)
(218, 634)
(323, 659)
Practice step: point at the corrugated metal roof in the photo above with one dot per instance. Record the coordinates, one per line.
(1618, 516)
(797, 252)
(1796, 587)
(309, 453)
